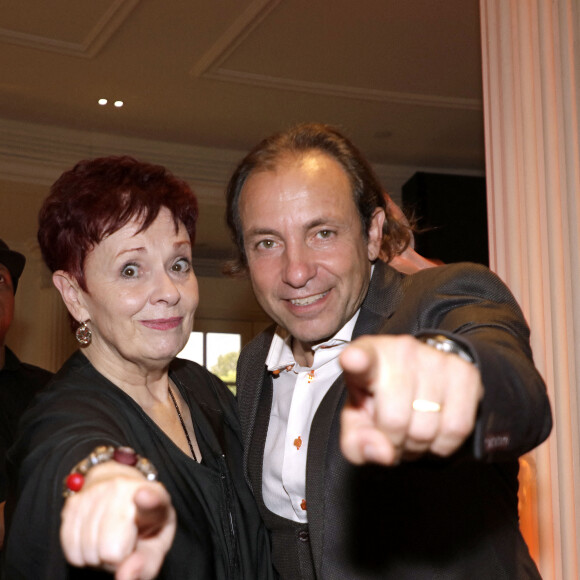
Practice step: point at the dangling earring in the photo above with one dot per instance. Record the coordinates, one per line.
(83, 334)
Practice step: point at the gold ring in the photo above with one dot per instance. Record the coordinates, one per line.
(425, 406)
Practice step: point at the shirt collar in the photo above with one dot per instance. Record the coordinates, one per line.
(280, 355)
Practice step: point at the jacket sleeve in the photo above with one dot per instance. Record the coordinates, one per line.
(471, 305)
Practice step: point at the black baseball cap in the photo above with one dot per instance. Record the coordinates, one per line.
(14, 261)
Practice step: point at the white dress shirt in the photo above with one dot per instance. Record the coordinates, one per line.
(297, 392)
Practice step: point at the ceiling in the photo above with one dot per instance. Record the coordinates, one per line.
(401, 77)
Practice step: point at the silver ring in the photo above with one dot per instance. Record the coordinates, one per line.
(425, 406)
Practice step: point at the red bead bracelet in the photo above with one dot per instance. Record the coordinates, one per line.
(75, 480)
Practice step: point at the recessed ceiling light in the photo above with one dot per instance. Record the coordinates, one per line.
(103, 101)
(118, 103)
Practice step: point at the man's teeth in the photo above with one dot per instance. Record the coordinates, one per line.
(308, 300)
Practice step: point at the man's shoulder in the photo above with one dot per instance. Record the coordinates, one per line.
(462, 277)
(407, 303)
(454, 270)
(466, 275)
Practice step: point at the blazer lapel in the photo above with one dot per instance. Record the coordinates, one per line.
(324, 427)
(385, 291)
(324, 457)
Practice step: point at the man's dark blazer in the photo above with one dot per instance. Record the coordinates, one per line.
(453, 518)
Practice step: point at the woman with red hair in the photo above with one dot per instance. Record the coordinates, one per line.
(139, 451)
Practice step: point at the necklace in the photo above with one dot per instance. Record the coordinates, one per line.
(182, 424)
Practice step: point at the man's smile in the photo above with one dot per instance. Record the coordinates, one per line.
(308, 299)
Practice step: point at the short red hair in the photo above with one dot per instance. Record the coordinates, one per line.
(97, 198)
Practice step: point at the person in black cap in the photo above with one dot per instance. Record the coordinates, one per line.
(19, 382)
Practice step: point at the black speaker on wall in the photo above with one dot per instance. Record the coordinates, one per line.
(451, 216)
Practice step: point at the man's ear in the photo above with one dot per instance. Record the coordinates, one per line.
(72, 295)
(375, 233)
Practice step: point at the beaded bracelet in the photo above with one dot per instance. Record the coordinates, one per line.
(75, 480)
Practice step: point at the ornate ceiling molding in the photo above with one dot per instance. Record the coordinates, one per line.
(209, 66)
(39, 153)
(90, 45)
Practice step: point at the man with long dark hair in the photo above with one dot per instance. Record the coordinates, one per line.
(383, 414)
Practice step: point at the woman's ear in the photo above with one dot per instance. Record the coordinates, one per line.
(72, 295)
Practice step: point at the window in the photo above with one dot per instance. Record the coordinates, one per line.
(216, 351)
(213, 338)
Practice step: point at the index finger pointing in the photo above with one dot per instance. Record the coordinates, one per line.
(358, 362)
(153, 509)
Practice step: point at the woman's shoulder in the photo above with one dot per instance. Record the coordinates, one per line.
(75, 369)
(196, 379)
(79, 391)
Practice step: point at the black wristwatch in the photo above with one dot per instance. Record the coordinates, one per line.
(444, 344)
